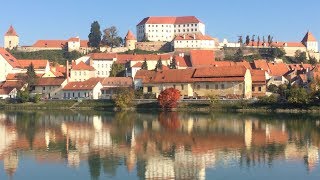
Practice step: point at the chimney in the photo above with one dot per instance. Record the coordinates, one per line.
(67, 71)
(194, 36)
(184, 36)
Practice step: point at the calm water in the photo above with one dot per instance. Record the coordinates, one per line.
(97, 145)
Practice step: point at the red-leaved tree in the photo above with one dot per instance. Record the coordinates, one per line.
(168, 98)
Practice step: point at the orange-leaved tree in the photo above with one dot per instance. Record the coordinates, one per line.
(168, 98)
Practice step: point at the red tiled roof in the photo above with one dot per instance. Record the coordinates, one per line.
(82, 66)
(130, 36)
(117, 81)
(11, 32)
(258, 76)
(207, 74)
(50, 43)
(84, 43)
(139, 64)
(169, 20)
(183, 61)
(303, 78)
(74, 39)
(103, 56)
(277, 44)
(278, 69)
(197, 36)
(261, 64)
(6, 91)
(50, 81)
(123, 58)
(145, 75)
(226, 71)
(85, 85)
(13, 84)
(9, 58)
(309, 37)
(201, 57)
(37, 63)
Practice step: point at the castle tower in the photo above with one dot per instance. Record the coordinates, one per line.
(11, 39)
(130, 41)
(310, 42)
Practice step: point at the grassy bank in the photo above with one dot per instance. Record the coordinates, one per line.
(194, 106)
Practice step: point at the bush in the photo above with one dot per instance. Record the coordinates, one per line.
(268, 99)
(298, 95)
(149, 96)
(123, 97)
(213, 100)
(23, 96)
(36, 98)
(168, 98)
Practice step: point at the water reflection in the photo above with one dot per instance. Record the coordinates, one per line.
(161, 146)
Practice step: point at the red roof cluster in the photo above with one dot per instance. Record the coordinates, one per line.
(9, 58)
(117, 81)
(58, 43)
(50, 81)
(84, 85)
(170, 20)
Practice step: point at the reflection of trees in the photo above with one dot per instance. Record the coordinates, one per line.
(27, 125)
(169, 120)
(94, 166)
(110, 165)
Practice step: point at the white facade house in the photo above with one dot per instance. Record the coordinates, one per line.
(89, 89)
(102, 63)
(8, 64)
(194, 41)
(166, 28)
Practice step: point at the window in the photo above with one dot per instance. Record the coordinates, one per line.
(44, 88)
(65, 95)
(216, 86)
(252, 88)
(240, 87)
(260, 89)
(182, 87)
(222, 86)
(198, 87)
(207, 86)
(73, 94)
(149, 89)
(174, 86)
(78, 94)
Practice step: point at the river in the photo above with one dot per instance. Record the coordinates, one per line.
(129, 145)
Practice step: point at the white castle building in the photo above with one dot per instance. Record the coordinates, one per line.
(166, 28)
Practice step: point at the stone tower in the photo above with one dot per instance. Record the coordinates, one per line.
(310, 42)
(130, 41)
(11, 39)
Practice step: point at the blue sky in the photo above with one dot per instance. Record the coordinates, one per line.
(286, 20)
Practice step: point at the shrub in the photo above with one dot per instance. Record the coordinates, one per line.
(213, 100)
(168, 98)
(36, 98)
(268, 99)
(123, 97)
(23, 96)
(298, 95)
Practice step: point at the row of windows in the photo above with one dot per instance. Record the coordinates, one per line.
(259, 89)
(186, 25)
(73, 94)
(196, 41)
(159, 25)
(186, 30)
(102, 66)
(103, 73)
(80, 73)
(168, 31)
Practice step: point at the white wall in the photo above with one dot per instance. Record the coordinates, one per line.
(103, 67)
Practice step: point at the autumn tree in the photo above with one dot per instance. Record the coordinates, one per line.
(111, 38)
(123, 97)
(95, 35)
(168, 98)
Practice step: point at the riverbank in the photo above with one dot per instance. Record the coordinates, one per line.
(152, 105)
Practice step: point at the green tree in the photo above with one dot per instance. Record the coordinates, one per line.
(238, 56)
(144, 65)
(273, 88)
(240, 40)
(123, 97)
(313, 60)
(297, 95)
(23, 96)
(173, 64)
(95, 35)
(278, 52)
(31, 77)
(117, 70)
(111, 37)
(301, 56)
(159, 65)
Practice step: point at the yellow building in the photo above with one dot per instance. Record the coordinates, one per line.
(229, 82)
